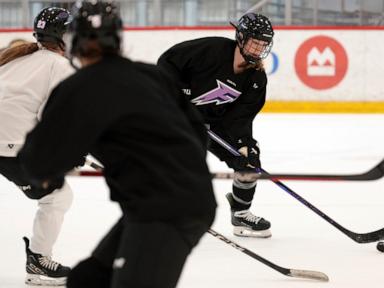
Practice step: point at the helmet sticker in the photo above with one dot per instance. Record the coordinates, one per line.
(95, 20)
(41, 24)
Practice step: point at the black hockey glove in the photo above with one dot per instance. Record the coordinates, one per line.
(251, 153)
(238, 163)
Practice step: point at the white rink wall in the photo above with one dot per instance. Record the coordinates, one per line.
(326, 65)
(361, 82)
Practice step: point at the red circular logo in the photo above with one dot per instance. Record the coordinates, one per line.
(321, 62)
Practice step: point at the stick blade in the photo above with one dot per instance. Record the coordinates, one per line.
(368, 237)
(375, 173)
(308, 274)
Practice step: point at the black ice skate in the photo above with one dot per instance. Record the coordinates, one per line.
(246, 224)
(42, 271)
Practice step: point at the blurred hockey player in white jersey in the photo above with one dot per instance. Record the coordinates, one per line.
(28, 73)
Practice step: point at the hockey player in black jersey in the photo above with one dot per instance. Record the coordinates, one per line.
(124, 114)
(226, 82)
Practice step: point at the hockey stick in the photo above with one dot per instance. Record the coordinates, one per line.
(373, 174)
(94, 165)
(358, 237)
(307, 274)
(98, 170)
(85, 173)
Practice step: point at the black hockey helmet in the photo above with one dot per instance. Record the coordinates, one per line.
(254, 26)
(96, 20)
(50, 25)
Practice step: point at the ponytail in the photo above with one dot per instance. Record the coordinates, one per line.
(259, 65)
(13, 53)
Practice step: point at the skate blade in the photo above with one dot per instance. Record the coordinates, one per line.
(246, 232)
(40, 280)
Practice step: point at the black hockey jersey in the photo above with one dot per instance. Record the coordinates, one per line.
(119, 112)
(204, 68)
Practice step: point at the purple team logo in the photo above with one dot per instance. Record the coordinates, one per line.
(220, 95)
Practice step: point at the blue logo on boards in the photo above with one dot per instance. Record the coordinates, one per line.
(272, 63)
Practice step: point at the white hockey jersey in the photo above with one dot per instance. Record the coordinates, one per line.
(25, 84)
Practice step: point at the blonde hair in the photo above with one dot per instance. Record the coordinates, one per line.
(16, 42)
(259, 65)
(12, 53)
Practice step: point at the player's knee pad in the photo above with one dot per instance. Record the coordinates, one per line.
(89, 273)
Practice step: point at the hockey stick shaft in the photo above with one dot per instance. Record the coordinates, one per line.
(97, 172)
(94, 165)
(358, 237)
(307, 274)
(85, 173)
(251, 176)
(375, 173)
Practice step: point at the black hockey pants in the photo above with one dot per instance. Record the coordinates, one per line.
(138, 254)
(11, 169)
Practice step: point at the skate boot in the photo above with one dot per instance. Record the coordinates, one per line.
(246, 224)
(42, 271)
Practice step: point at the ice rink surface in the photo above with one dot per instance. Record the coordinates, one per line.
(305, 143)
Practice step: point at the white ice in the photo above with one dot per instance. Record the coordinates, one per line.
(305, 143)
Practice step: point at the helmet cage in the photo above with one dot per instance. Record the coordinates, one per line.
(258, 27)
(263, 50)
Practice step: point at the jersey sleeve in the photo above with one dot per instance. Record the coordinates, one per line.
(65, 134)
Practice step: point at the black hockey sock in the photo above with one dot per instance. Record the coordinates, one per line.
(242, 195)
